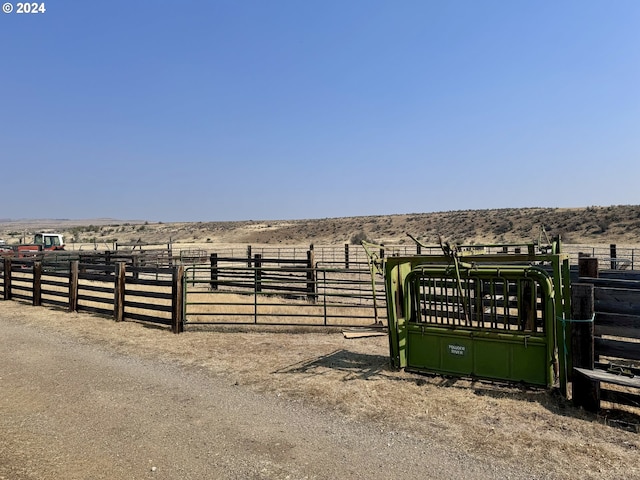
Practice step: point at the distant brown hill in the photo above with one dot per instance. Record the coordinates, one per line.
(590, 225)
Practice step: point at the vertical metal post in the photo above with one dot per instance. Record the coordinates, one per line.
(324, 296)
(613, 255)
(346, 256)
(214, 271)
(258, 272)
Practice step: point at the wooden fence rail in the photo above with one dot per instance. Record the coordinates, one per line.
(289, 276)
(605, 351)
(124, 292)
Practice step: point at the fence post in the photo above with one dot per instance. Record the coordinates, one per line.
(613, 254)
(119, 289)
(249, 256)
(346, 256)
(584, 392)
(582, 308)
(37, 284)
(587, 267)
(258, 272)
(418, 249)
(73, 286)
(311, 277)
(177, 294)
(135, 262)
(7, 279)
(214, 271)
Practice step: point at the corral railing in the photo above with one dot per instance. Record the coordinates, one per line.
(606, 336)
(146, 294)
(282, 291)
(331, 277)
(611, 257)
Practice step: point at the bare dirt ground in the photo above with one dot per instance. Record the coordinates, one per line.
(85, 397)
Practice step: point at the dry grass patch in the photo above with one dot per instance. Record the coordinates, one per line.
(534, 428)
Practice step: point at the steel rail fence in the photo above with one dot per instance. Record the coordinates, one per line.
(274, 295)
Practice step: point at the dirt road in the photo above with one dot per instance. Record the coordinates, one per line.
(76, 410)
(83, 397)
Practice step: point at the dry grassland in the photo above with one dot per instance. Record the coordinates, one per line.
(596, 225)
(535, 429)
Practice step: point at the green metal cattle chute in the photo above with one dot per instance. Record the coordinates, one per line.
(490, 316)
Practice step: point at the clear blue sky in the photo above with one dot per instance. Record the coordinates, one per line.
(272, 109)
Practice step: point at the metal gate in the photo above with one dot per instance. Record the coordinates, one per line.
(278, 292)
(488, 316)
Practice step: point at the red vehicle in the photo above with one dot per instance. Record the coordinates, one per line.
(41, 242)
(49, 241)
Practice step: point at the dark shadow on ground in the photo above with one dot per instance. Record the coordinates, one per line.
(355, 366)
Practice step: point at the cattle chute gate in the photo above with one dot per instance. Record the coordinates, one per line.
(490, 316)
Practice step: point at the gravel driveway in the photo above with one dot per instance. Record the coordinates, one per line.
(73, 409)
